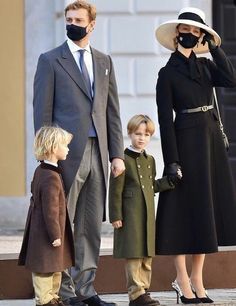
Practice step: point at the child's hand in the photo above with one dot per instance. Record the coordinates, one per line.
(117, 224)
(56, 243)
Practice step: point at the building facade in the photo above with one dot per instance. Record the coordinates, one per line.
(124, 29)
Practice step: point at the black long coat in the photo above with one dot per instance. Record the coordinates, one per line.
(200, 214)
(47, 220)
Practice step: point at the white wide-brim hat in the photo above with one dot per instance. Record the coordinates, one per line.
(166, 32)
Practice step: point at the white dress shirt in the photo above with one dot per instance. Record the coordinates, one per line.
(50, 163)
(131, 148)
(74, 49)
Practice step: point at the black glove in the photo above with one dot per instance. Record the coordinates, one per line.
(209, 38)
(172, 174)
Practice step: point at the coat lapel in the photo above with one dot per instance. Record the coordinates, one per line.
(67, 61)
(181, 64)
(177, 61)
(100, 71)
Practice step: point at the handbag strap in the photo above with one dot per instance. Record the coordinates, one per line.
(217, 108)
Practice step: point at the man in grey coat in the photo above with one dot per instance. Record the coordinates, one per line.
(75, 87)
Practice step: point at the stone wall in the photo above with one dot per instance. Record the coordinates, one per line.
(125, 30)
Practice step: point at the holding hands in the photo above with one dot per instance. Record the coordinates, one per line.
(56, 243)
(117, 166)
(117, 224)
(174, 173)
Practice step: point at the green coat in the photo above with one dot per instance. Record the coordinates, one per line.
(131, 199)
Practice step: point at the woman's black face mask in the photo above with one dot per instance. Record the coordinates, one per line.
(187, 40)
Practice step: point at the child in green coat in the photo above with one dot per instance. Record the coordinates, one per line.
(132, 211)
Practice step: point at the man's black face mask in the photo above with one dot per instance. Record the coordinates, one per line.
(75, 32)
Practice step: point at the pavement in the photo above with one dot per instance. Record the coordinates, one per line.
(10, 243)
(221, 298)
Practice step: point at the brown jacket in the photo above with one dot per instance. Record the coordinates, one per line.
(47, 220)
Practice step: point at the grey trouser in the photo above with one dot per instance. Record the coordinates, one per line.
(86, 204)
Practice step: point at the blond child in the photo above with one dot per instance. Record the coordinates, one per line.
(132, 213)
(47, 247)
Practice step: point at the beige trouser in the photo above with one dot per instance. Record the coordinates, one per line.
(138, 275)
(46, 286)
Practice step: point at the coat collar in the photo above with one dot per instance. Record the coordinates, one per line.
(134, 154)
(99, 68)
(187, 66)
(177, 58)
(67, 61)
(100, 72)
(50, 167)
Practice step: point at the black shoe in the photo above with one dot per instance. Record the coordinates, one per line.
(74, 301)
(180, 295)
(205, 299)
(96, 301)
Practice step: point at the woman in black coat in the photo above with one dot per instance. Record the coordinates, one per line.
(199, 215)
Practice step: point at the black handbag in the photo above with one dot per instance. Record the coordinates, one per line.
(224, 136)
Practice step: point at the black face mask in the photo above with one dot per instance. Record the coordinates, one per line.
(187, 40)
(75, 32)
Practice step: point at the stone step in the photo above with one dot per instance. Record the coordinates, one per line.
(226, 297)
(15, 281)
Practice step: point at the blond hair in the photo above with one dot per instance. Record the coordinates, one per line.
(90, 8)
(47, 139)
(135, 122)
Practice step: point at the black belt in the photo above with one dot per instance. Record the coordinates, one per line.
(203, 108)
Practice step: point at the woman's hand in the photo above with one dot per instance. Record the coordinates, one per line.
(209, 38)
(117, 224)
(179, 173)
(174, 173)
(56, 243)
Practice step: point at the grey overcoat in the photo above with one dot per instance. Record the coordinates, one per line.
(61, 97)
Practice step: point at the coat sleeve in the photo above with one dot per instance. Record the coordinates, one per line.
(161, 184)
(222, 71)
(116, 187)
(43, 93)
(114, 128)
(50, 206)
(164, 100)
